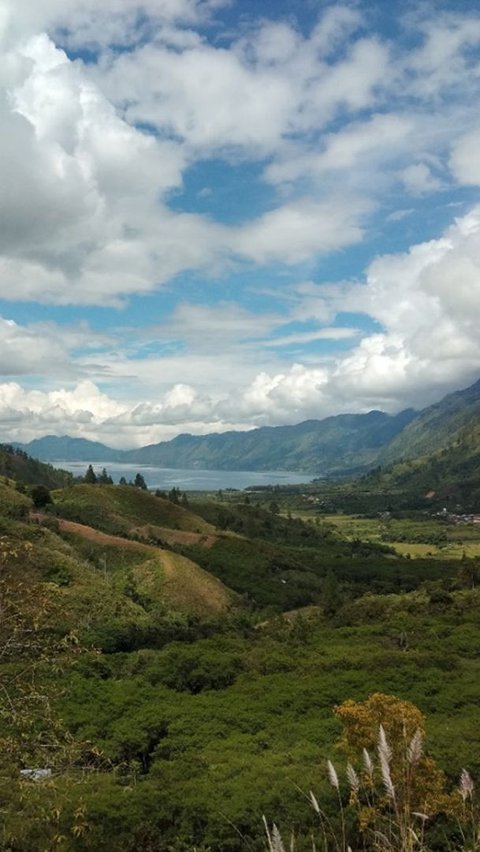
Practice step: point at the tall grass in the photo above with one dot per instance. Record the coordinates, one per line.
(385, 795)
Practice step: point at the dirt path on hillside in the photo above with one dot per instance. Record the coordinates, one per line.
(173, 537)
(92, 534)
(184, 582)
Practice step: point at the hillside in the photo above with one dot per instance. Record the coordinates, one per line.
(171, 712)
(102, 586)
(436, 427)
(450, 476)
(124, 510)
(18, 465)
(270, 560)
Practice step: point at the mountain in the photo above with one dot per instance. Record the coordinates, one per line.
(343, 444)
(436, 458)
(436, 427)
(337, 444)
(55, 448)
(346, 442)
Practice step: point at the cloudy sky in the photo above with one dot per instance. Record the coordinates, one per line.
(222, 214)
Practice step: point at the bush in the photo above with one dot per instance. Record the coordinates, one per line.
(41, 496)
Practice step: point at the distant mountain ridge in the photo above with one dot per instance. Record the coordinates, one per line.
(65, 448)
(333, 445)
(346, 442)
(341, 444)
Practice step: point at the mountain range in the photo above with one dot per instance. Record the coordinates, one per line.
(341, 444)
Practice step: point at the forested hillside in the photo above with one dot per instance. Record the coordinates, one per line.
(17, 464)
(437, 427)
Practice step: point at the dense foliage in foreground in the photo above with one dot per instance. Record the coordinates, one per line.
(173, 721)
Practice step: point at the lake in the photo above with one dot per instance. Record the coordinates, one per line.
(188, 480)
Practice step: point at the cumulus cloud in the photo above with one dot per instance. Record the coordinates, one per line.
(426, 345)
(336, 123)
(26, 414)
(84, 192)
(430, 341)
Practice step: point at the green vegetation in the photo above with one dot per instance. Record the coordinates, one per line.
(176, 664)
(16, 464)
(123, 510)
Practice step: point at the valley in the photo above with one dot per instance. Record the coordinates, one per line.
(178, 664)
(176, 667)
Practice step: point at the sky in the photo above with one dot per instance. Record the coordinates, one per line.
(224, 214)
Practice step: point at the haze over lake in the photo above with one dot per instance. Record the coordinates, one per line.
(188, 480)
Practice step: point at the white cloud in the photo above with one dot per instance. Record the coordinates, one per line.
(357, 148)
(340, 123)
(427, 301)
(45, 349)
(204, 95)
(88, 23)
(335, 333)
(444, 61)
(301, 229)
(465, 162)
(418, 179)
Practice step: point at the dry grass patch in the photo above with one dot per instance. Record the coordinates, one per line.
(190, 587)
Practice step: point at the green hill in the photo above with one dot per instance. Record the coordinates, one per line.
(109, 590)
(450, 476)
(124, 510)
(18, 465)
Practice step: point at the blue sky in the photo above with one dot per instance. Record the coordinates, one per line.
(222, 215)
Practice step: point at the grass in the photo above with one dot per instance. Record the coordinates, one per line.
(155, 575)
(125, 510)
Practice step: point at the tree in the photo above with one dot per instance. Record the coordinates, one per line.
(41, 496)
(122, 481)
(404, 783)
(90, 477)
(139, 482)
(104, 478)
(331, 594)
(469, 573)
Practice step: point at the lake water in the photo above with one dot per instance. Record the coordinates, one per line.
(188, 480)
